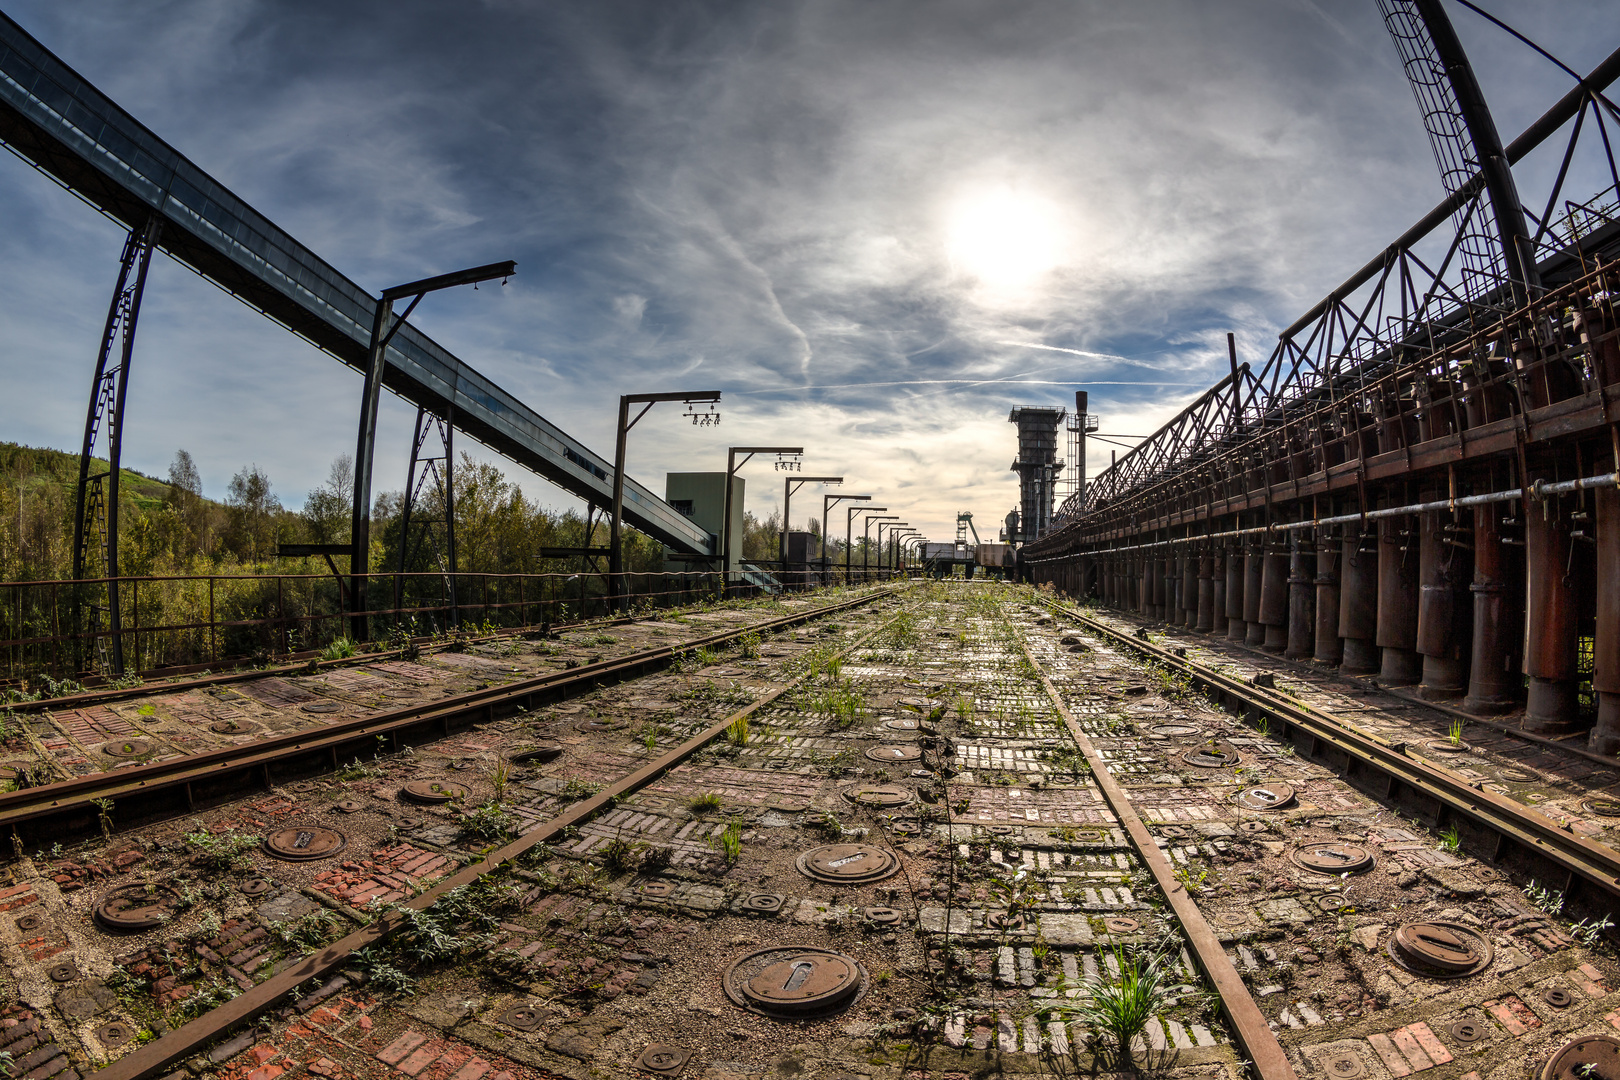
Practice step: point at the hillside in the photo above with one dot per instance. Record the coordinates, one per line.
(31, 465)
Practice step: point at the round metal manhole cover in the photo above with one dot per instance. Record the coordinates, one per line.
(1265, 797)
(129, 749)
(881, 916)
(1517, 776)
(795, 983)
(29, 923)
(895, 755)
(1231, 918)
(304, 843)
(878, 794)
(538, 753)
(1005, 920)
(657, 888)
(1446, 746)
(1176, 731)
(1591, 1057)
(255, 886)
(228, 727)
(764, 903)
(596, 723)
(904, 723)
(133, 908)
(665, 1059)
(848, 864)
(348, 806)
(115, 1034)
(524, 1017)
(921, 704)
(905, 826)
(64, 972)
(1344, 1065)
(1602, 807)
(432, 791)
(1330, 857)
(1440, 950)
(1122, 925)
(1254, 826)
(1558, 997)
(322, 707)
(1214, 754)
(1333, 902)
(1469, 1032)
(788, 804)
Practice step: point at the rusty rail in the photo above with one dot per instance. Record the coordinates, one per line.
(1249, 1024)
(179, 1044)
(1398, 765)
(234, 767)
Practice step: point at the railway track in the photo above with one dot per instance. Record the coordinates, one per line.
(909, 852)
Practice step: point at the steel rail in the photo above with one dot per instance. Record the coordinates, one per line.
(239, 764)
(1397, 763)
(1249, 1025)
(177, 1045)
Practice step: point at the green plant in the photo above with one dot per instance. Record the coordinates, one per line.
(1590, 931)
(358, 770)
(1192, 878)
(489, 822)
(1550, 901)
(619, 854)
(729, 842)
(308, 932)
(382, 974)
(223, 851)
(1451, 839)
(704, 656)
(749, 645)
(737, 731)
(1455, 732)
(1118, 1010)
(579, 789)
(104, 816)
(341, 649)
(500, 777)
(649, 737)
(706, 803)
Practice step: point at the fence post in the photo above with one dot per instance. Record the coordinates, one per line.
(213, 637)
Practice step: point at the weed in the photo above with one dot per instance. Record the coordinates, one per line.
(737, 731)
(729, 843)
(309, 932)
(500, 777)
(619, 854)
(1192, 878)
(706, 803)
(580, 789)
(1590, 931)
(749, 645)
(382, 975)
(341, 649)
(1455, 732)
(1119, 1011)
(1451, 839)
(704, 656)
(490, 822)
(358, 770)
(1550, 901)
(104, 816)
(649, 737)
(221, 852)
(964, 708)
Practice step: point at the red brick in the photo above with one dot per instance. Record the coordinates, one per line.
(419, 1060)
(1431, 1045)
(1387, 1053)
(395, 1052)
(474, 1069)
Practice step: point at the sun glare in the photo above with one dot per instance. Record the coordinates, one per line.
(1005, 239)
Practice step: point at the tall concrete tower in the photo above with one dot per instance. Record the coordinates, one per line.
(1037, 465)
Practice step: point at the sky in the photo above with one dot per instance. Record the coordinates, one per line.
(875, 227)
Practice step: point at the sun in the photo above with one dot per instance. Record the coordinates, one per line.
(1005, 239)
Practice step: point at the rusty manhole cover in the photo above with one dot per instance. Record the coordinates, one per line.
(1602, 807)
(895, 754)
(596, 723)
(657, 888)
(794, 983)
(1329, 857)
(115, 1034)
(524, 1017)
(1591, 1057)
(1231, 918)
(1440, 950)
(848, 864)
(1517, 776)
(322, 707)
(765, 903)
(29, 923)
(904, 723)
(348, 806)
(303, 843)
(432, 791)
(228, 727)
(1446, 746)
(919, 703)
(1266, 797)
(1176, 731)
(1005, 920)
(129, 749)
(134, 907)
(878, 794)
(1214, 754)
(788, 804)
(881, 916)
(1469, 1032)
(255, 886)
(64, 972)
(905, 826)
(1558, 997)
(539, 752)
(1344, 1065)
(665, 1059)
(1122, 925)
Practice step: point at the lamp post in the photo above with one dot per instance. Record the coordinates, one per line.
(866, 541)
(615, 533)
(849, 534)
(789, 486)
(897, 540)
(891, 525)
(383, 328)
(732, 465)
(826, 504)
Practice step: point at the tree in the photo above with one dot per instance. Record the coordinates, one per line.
(328, 511)
(253, 511)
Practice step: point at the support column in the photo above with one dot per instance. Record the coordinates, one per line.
(1144, 595)
(1445, 664)
(1329, 648)
(1605, 737)
(1358, 603)
(1274, 601)
(1189, 589)
(1236, 628)
(1157, 574)
(1397, 604)
(1205, 618)
(1301, 598)
(1218, 580)
(1494, 684)
(1550, 623)
(1175, 590)
(1254, 571)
